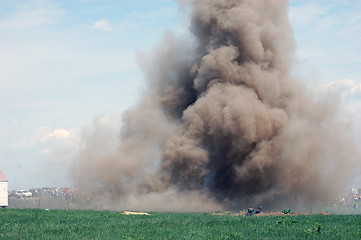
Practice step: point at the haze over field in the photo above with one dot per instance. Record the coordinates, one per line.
(221, 121)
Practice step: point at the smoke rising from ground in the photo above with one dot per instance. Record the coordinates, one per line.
(222, 124)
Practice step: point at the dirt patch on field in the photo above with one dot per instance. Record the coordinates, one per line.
(280, 214)
(134, 213)
(323, 213)
(225, 213)
(262, 214)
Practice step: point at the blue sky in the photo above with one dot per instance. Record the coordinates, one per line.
(65, 63)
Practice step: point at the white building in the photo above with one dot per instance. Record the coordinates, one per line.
(3, 190)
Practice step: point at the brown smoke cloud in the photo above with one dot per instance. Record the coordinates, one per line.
(222, 124)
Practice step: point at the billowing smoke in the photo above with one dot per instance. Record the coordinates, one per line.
(222, 124)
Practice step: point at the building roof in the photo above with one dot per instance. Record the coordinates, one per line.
(3, 177)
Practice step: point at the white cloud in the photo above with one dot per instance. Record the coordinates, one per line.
(60, 133)
(345, 87)
(102, 25)
(47, 134)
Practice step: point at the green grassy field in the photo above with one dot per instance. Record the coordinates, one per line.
(59, 224)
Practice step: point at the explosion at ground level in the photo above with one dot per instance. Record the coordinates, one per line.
(99, 199)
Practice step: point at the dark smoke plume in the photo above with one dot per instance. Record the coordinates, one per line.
(222, 124)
